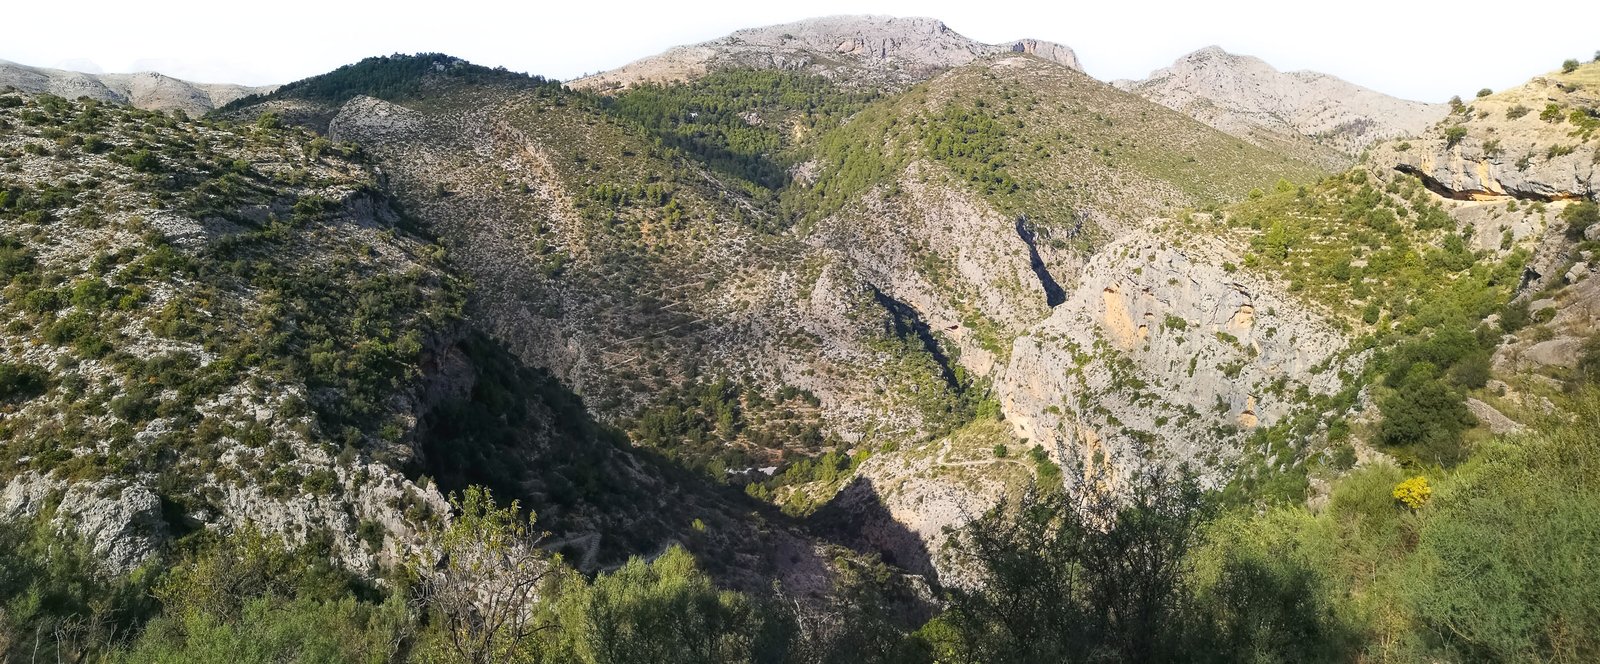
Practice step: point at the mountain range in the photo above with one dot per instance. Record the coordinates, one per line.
(813, 306)
(147, 90)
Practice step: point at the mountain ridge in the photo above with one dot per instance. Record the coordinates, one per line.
(148, 90)
(1305, 111)
(882, 49)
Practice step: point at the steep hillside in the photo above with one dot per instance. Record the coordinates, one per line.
(1318, 117)
(913, 350)
(150, 91)
(203, 318)
(859, 50)
(233, 327)
(1007, 182)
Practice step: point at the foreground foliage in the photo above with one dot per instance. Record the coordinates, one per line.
(1500, 563)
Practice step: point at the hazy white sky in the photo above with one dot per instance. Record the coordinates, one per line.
(1416, 49)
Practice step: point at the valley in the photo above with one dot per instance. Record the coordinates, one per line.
(829, 341)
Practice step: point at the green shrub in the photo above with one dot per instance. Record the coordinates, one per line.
(1425, 414)
(665, 610)
(1579, 217)
(22, 381)
(1506, 568)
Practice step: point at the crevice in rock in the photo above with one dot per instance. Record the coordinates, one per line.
(904, 322)
(1530, 276)
(1053, 293)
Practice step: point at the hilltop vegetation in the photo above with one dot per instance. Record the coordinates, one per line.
(390, 77)
(749, 125)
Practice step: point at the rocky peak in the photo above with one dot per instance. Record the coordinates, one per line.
(886, 50)
(1324, 117)
(1051, 51)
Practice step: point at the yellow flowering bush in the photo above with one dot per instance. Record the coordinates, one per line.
(1413, 492)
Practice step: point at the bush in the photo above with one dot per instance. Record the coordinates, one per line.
(1507, 568)
(1063, 579)
(1579, 217)
(1454, 134)
(1426, 415)
(1484, 93)
(665, 611)
(55, 598)
(1569, 66)
(22, 381)
(1413, 493)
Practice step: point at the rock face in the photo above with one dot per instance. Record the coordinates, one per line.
(1160, 355)
(875, 49)
(121, 521)
(1317, 114)
(150, 91)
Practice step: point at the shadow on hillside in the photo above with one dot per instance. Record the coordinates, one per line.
(494, 421)
(856, 517)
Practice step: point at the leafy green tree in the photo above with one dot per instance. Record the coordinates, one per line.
(1569, 66)
(1066, 578)
(1426, 414)
(665, 611)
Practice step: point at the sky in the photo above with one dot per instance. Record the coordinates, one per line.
(1411, 49)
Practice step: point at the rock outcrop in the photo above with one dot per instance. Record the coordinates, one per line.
(882, 50)
(1536, 142)
(120, 521)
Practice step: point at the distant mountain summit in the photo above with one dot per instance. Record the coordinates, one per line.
(877, 49)
(1320, 116)
(150, 91)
